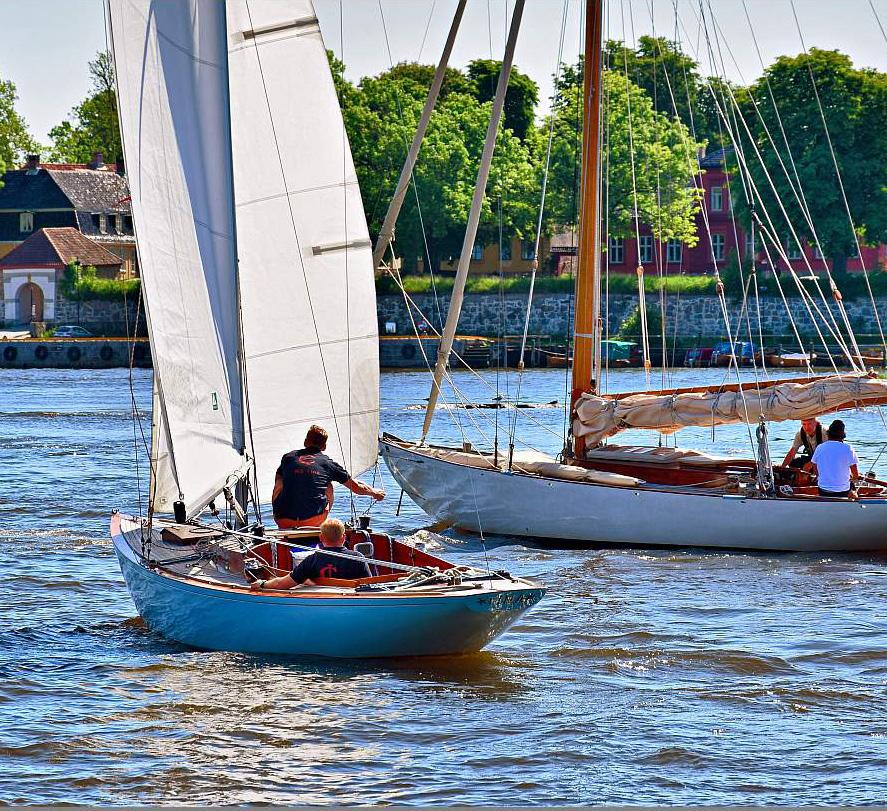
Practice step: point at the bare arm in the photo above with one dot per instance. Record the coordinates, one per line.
(361, 489)
(789, 456)
(854, 473)
(274, 584)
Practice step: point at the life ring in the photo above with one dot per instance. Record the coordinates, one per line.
(106, 352)
(408, 351)
(10, 353)
(139, 352)
(41, 352)
(74, 353)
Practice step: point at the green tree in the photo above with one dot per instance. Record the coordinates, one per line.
(660, 149)
(521, 97)
(381, 115)
(94, 126)
(855, 106)
(15, 140)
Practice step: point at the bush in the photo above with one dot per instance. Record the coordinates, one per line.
(630, 328)
(80, 283)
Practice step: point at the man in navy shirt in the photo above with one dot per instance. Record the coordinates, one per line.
(346, 564)
(303, 486)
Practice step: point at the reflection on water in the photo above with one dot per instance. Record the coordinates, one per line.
(652, 676)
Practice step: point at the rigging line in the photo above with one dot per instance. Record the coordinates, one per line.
(425, 34)
(539, 221)
(878, 19)
(834, 158)
(830, 321)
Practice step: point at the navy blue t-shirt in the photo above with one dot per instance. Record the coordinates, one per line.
(306, 474)
(318, 564)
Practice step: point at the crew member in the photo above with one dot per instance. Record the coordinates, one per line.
(303, 486)
(835, 464)
(810, 437)
(346, 564)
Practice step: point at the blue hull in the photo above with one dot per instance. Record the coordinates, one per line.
(342, 626)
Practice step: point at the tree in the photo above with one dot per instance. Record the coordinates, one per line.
(381, 116)
(95, 126)
(521, 97)
(648, 161)
(15, 140)
(854, 102)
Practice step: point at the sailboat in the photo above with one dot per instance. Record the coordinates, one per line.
(258, 287)
(599, 492)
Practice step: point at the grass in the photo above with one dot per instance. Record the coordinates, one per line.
(492, 285)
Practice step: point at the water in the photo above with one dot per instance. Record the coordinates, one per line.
(666, 677)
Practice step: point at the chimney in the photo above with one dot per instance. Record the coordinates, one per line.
(121, 169)
(97, 162)
(32, 163)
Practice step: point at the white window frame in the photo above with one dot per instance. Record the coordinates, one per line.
(26, 222)
(718, 246)
(645, 249)
(616, 250)
(716, 201)
(751, 244)
(674, 252)
(793, 251)
(527, 250)
(505, 251)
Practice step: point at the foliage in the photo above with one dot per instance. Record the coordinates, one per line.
(79, 283)
(15, 140)
(381, 115)
(855, 106)
(631, 324)
(658, 182)
(95, 126)
(521, 97)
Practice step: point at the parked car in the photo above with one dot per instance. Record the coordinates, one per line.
(723, 353)
(698, 356)
(71, 331)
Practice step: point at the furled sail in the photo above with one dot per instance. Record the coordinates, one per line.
(307, 293)
(598, 417)
(172, 83)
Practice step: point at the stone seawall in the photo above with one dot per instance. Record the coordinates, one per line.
(80, 353)
(687, 316)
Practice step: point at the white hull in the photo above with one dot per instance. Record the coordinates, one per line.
(531, 506)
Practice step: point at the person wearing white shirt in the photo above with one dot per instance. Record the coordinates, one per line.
(835, 464)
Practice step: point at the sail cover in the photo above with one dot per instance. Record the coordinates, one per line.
(172, 84)
(307, 292)
(598, 418)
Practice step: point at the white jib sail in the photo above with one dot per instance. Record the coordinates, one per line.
(306, 275)
(174, 117)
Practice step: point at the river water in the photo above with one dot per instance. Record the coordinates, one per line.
(667, 677)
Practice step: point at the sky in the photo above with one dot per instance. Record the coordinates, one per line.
(46, 45)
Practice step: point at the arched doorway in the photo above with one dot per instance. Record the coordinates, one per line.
(30, 303)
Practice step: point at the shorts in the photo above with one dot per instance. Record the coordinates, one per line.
(832, 494)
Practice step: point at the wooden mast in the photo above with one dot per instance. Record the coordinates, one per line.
(586, 325)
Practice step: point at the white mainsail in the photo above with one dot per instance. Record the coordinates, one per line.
(306, 276)
(172, 84)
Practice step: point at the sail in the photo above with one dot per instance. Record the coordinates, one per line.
(307, 293)
(164, 490)
(598, 418)
(172, 85)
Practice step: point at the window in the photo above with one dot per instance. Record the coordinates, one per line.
(854, 253)
(792, 249)
(617, 250)
(527, 251)
(477, 252)
(717, 247)
(26, 222)
(751, 245)
(675, 251)
(505, 252)
(717, 198)
(645, 249)
(817, 254)
(127, 225)
(114, 223)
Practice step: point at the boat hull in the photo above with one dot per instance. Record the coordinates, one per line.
(582, 513)
(351, 626)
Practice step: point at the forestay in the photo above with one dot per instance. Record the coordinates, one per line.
(173, 102)
(598, 418)
(308, 299)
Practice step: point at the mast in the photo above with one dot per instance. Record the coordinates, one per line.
(483, 174)
(386, 234)
(586, 325)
